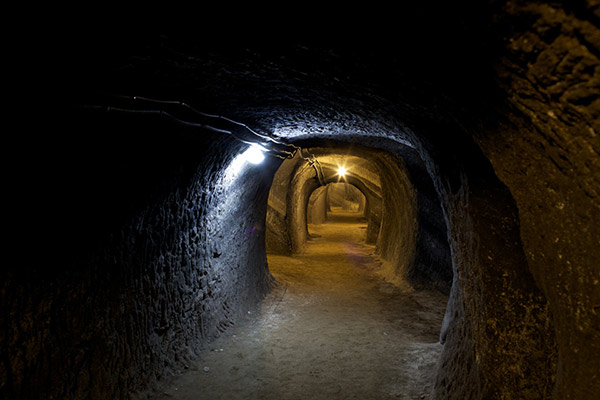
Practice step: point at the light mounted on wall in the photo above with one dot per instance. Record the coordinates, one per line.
(255, 154)
(341, 171)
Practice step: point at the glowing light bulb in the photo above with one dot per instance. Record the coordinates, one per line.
(254, 154)
(341, 171)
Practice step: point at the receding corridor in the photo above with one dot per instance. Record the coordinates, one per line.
(397, 203)
(331, 329)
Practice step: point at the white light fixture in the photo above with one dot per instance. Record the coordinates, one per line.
(254, 155)
(341, 171)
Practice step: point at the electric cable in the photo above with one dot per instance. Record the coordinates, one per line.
(283, 154)
(290, 150)
(217, 117)
(314, 162)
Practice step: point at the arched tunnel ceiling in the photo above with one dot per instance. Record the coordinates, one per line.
(358, 166)
(297, 79)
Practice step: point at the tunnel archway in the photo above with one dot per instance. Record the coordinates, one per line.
(369, 187)
(338, 195)
(222, 263)
(408, 249)
(115, 299)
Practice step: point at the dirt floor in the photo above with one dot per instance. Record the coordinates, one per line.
(332, 329)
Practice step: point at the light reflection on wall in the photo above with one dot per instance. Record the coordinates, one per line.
(253, 155)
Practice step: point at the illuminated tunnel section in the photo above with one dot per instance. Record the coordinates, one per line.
(409, 234)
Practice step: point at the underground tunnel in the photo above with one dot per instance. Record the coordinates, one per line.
(180, 225)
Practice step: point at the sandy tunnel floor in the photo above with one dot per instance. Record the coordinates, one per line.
(332, 329)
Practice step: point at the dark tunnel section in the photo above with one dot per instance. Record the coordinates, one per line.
(126, 229)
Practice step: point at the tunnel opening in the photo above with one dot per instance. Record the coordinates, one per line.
(345, 244)
(393, 192)
(335, 197)
(138, 246)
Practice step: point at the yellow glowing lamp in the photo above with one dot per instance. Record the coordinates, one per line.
(341, 171)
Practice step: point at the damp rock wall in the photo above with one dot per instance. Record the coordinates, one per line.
(277, 234)
(149, 253)
(317, 206)
(396, 243)
(498, 338)
(544, 146)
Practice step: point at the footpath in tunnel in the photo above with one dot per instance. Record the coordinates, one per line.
(331, 329)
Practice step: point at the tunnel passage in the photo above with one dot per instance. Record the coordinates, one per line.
(335, 196)
(404, 218)
(128, 239)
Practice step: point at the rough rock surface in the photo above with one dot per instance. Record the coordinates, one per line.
(128, 233)
(551, 75)
(149, 253)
